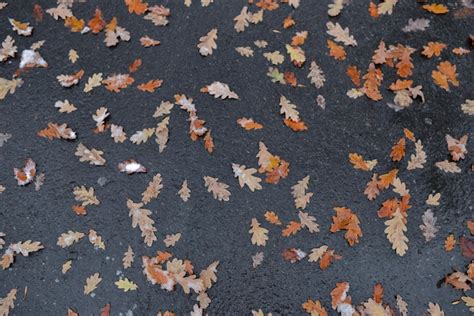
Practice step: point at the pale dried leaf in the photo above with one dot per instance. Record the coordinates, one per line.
(396, 228)
(92, 82)
(184, 193)
(207, 43)
(171, 240)
(221, 90)
(128, 257)
(65, 106)
(218, 189)
(91, 283)
(316, 75)
(153, 189)
(429, 227)
(288, 109)
(69, 238)
(246, 177)
(448, 166)
(340, 34)
(433, 199)
(259, 234)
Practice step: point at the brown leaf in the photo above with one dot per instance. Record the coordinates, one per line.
(467, 247)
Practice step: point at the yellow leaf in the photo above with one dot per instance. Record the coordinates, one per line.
(126, 285)
(436, 8)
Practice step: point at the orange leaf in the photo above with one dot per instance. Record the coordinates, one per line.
(112, 25)
(373, 10)
(449, 243)
(446, 73)
(398, 150)
(136, 6)
(378, 293)
(373, 79)
(339, 294)
(135, 65)
(354, 74)
(272, 218)
(389, 207)
(291, 229)
(150, 86)
(440, 79)
(328, 257)
(96, 24)
(288, 22)
(401, 85)
(386, 179)
(403, 55)
(336, 51)
(162, 256)
(79, 209)
(409, 134)
(314, 308)
(290, 78)
(433, 49)
(358, 162)
(269, 5)
(209, 142)
(436, 8)
(348, 221)
(299, 38)
(295, 126)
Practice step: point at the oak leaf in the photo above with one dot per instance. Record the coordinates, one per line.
(259, 234)
(449, 243)
(433, 49)
(346, 220)
(26, 174)
(115, 83)
(336, 51)
(136, 6)
(146, 41)
(150, 86)
(372, 189)
(291, 229)
(128, 258)
(398, 150)
(395, 230)
(97, 23)
(91, 283)
(218, 189)
(340, 34)
(359, 162)
(141, 218)
(69, 238)
(207, 43)
(436, 8)
(246, 177)
(275, 57)
(445, 74)
(126, 285)
(93, 156)
(220, 90)
(249, 124)
(272, 218)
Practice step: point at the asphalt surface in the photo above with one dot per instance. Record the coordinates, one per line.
(213, 230)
